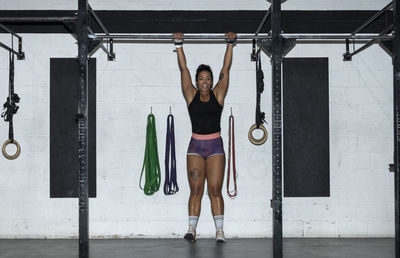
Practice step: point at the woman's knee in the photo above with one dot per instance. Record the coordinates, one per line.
(214, 192)
(196, 192)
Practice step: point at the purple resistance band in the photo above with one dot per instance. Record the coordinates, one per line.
(170, 184)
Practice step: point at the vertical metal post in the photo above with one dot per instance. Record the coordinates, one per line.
(277, 49)
(83, 43)
(396, 113)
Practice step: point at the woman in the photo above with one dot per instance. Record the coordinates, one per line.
(206, 156)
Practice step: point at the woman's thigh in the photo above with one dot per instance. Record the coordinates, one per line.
(196, 171)
(215, 170)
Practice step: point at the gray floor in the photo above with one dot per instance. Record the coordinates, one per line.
(234, 248)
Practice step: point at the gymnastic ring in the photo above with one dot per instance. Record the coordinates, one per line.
(262, 139)
(16, 153)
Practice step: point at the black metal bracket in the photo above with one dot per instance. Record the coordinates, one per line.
(94, 44)
(387, 45)
(266, 45)
(391, 168)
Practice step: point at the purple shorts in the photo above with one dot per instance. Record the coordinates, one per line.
(206, 148)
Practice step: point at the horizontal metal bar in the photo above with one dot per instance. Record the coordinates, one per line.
(98, 20)
(9, 31)
(11, 50)
(336, 36)
(155, 36)
(263, 21)
(38, 19)
(365, 24)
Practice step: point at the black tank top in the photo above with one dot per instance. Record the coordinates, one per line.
(205, 116)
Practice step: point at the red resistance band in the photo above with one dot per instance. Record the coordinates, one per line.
(231, 194)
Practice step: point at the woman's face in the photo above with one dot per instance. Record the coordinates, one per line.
(204, 81)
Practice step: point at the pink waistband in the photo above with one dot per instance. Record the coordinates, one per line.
(206, 136)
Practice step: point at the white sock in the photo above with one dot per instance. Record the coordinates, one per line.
(219, 222)
(193, 221)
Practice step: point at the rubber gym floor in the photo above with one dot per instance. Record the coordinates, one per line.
(202, 248)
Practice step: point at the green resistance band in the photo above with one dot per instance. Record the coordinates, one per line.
(151, 164)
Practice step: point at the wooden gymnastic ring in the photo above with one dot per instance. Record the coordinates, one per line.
(16, 154)
(262, 139)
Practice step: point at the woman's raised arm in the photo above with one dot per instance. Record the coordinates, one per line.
(221, 87)
(188, 88)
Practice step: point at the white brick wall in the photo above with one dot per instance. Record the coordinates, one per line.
(145, 75)
(194, 5)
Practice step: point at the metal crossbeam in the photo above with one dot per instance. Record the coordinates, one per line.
(38, 19)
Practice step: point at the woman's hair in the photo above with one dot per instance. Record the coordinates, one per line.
(204, 67)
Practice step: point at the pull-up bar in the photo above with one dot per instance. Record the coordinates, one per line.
(240, 36)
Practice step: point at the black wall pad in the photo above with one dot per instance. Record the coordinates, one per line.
(306, 127)
(343, 21)
(64, 169)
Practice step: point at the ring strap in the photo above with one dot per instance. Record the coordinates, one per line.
(260, 116)
(10, 109)
(170, 183)
(231, 194)
(11, 129)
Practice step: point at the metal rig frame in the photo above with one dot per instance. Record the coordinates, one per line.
(20, 55)
(276, 43)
